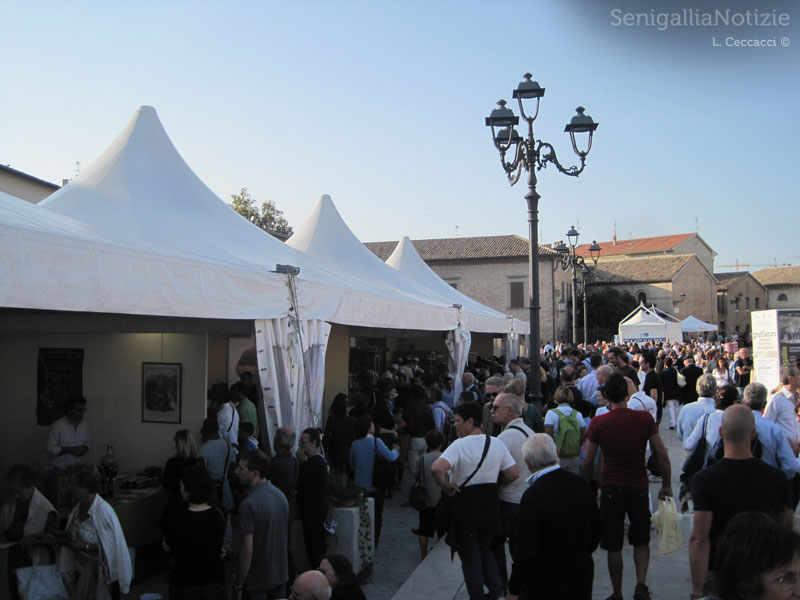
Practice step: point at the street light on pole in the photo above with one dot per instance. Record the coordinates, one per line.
(532, 155)
(569, 260)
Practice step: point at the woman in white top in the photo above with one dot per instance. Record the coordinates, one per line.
(95, 554)
(721, 373)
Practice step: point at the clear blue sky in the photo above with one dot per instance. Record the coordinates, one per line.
(381, 105)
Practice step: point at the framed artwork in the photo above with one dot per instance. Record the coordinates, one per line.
(59, 376)
(161, 392)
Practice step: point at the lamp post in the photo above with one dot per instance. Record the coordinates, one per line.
(569, 260)
(532, 155)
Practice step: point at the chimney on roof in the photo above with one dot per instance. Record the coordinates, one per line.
(615, 240)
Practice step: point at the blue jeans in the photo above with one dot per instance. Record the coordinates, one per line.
(479, 568)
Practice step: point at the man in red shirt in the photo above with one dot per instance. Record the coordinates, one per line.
(622, 434)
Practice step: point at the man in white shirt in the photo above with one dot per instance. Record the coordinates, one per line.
(506, 412)
(782, 407)
(691, 413)
(69, 439)
(475, 511)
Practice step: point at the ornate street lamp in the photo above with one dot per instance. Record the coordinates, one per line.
(569, 260)
(533, 155)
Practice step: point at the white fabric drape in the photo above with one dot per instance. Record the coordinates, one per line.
(291, 367)
(511, 344)
(458, 342)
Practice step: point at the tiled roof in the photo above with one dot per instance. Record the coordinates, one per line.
(726, 279)
(464, 248)
(778, 276)
(646, 245)
(641, 270)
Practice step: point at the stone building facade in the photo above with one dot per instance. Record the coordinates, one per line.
(494, 271)
(782, 284)
(678, 284)
(738, 294)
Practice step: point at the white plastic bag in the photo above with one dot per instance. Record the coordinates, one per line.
(667, 521)
(41, 582)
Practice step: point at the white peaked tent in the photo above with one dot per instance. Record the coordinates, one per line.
(645, 324)
(50, 261)
(692, 324)
(325, 235)
(475, 317)
(140, 187)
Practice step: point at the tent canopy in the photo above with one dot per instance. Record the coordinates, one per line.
(692, 324)
(648, 324)
(140, 187)
(475, 316)
(326, 237)
(50, 261)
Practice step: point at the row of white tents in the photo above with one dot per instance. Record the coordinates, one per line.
(138, 233)
(649, 324)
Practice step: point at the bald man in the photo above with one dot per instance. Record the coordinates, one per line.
(311, 585)
(737, 483)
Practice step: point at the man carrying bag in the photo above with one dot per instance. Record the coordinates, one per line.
(468, 510)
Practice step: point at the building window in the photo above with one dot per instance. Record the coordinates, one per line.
(758, 303)
(721, 304)
(782, 298)
(516, 294)
(641, 297)
(736, 303)
(747, 303)
(453, 285)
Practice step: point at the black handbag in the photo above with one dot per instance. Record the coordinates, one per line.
(383, 471)
(416, 495)
(696, 461)
(444, 510)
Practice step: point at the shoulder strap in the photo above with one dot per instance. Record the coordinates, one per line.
(518, 428)
(483, 457)
(643, 404)
(233, 410)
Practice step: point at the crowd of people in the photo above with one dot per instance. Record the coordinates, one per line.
(550, 473)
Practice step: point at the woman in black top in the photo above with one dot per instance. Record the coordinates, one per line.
(185, 456)
(339, 432)
(339, 572)
(194, 537)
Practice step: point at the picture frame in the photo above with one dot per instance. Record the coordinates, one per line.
(161, 392)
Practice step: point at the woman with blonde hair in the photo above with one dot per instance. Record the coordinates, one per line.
(185, 456)
(559, 416)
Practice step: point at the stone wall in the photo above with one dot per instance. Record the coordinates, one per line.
(488, 283)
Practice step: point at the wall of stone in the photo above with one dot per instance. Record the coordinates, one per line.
(488, 283)
(792, 296)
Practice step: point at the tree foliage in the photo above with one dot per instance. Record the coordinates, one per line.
(607, 306)
(267, 216)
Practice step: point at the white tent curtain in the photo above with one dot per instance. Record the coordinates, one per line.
(315, 333)
(458, 342)
(511, 344)
(291, 366)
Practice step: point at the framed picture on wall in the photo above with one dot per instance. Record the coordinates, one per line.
(161, 392)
